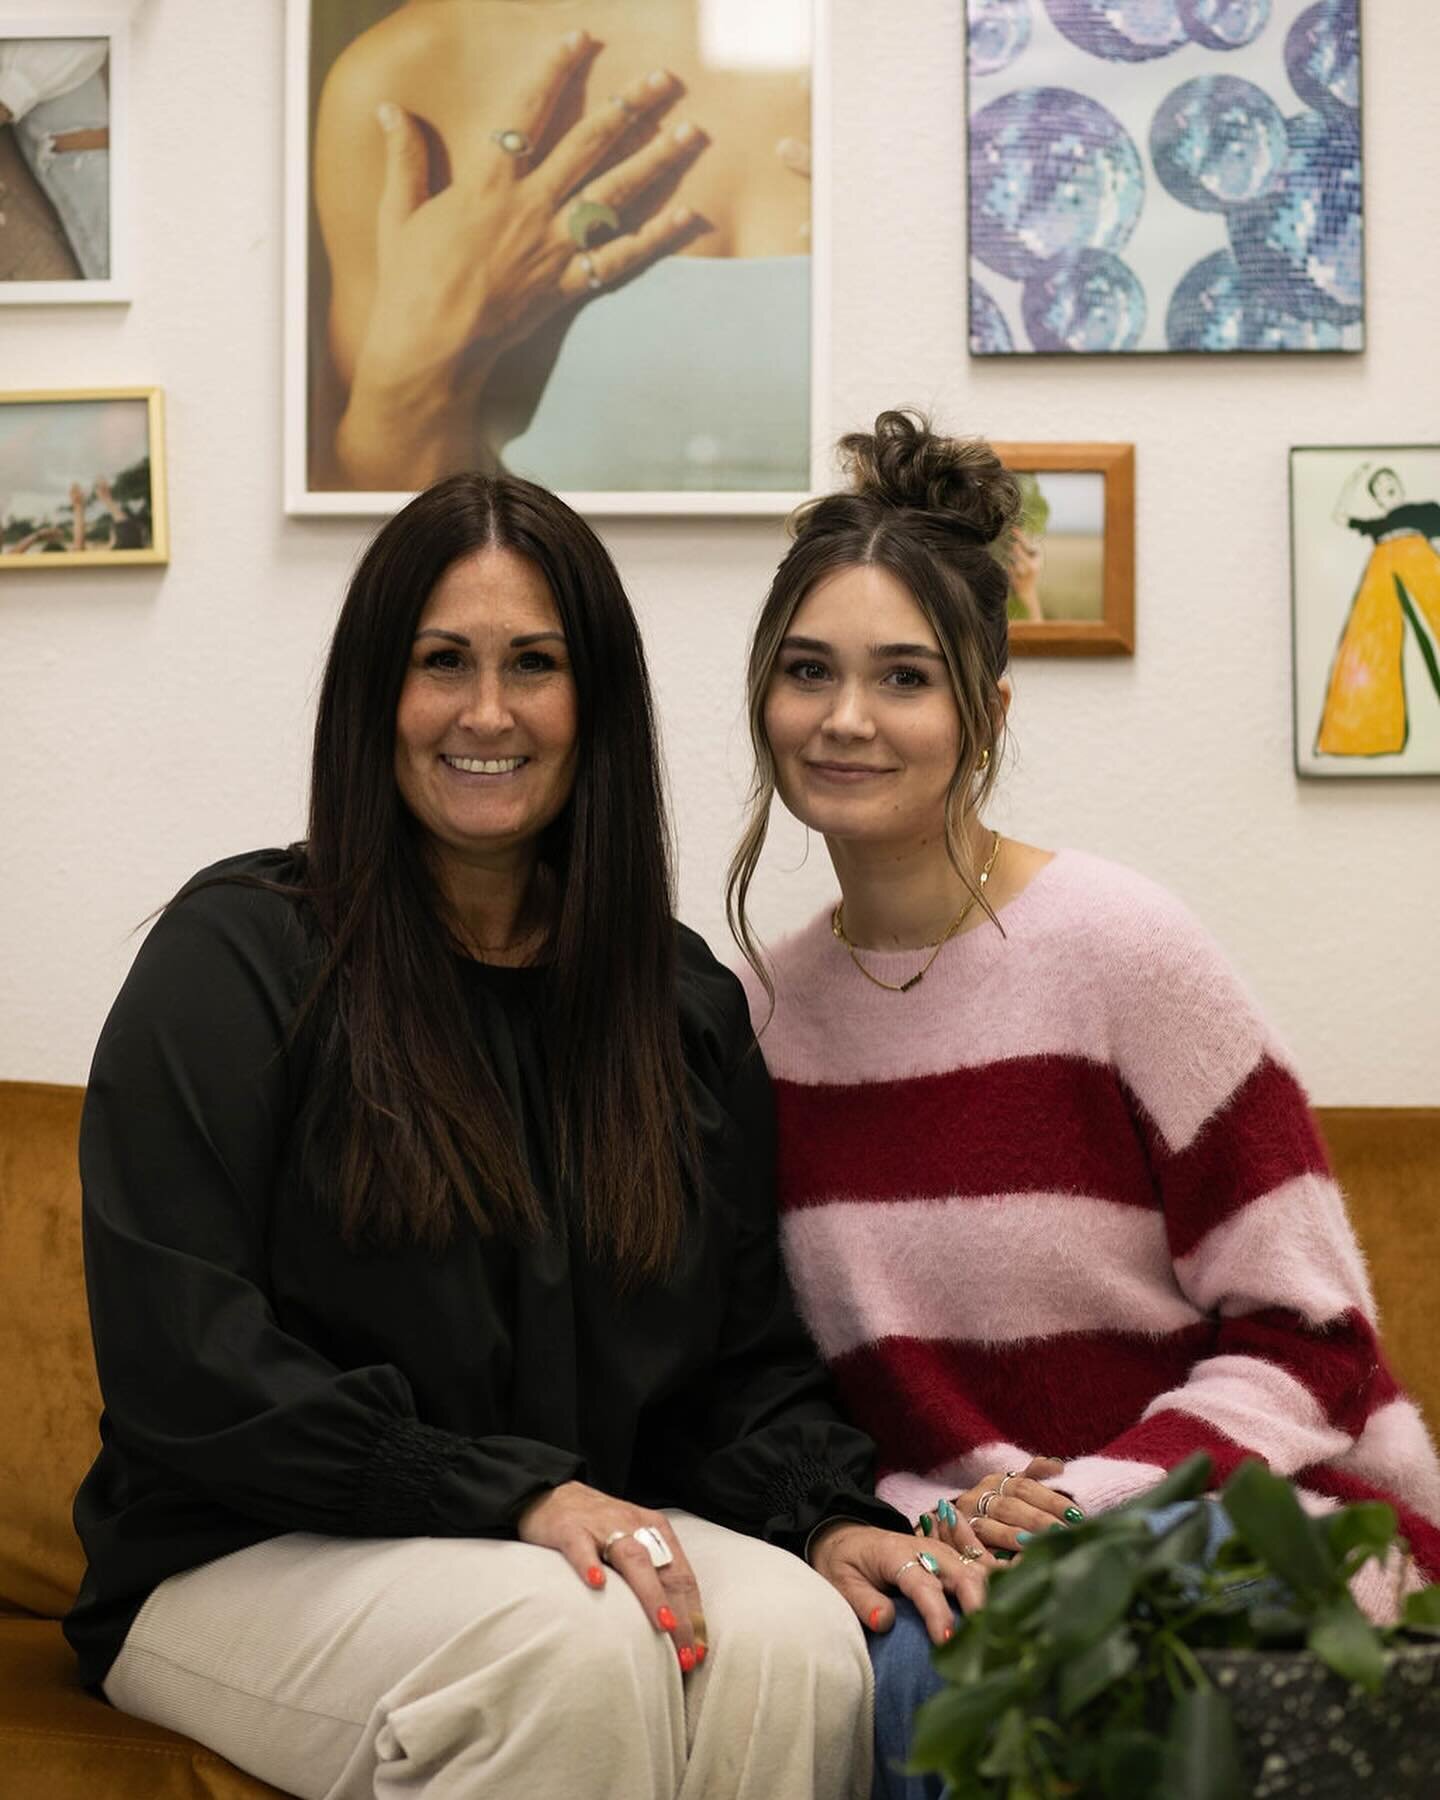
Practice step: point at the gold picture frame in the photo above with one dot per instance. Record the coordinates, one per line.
(105, 444)
(1091, 608)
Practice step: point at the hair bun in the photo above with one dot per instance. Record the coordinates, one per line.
(904, 463)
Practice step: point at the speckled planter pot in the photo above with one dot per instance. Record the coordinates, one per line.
(1305, 1732)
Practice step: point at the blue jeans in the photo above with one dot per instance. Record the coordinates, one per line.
(905, 1677)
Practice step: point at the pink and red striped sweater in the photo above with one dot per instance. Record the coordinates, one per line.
(1068, 1199)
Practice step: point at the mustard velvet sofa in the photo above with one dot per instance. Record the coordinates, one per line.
(59, 1743)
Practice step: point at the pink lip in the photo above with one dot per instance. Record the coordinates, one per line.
(844, 772)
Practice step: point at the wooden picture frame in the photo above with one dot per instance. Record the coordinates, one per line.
(694, 385)
(115, 462)
(1110, 566)
(72, 133)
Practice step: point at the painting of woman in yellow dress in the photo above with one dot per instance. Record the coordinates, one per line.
(1366, 711)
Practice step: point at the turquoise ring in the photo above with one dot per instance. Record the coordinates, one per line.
(928, 1563)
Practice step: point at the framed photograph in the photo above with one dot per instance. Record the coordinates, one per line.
(1365, 599)
(63, 152)
(1072, 557)
(1164, 175)
(82, 479)
(577, 248)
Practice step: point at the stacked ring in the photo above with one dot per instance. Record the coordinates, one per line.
(1009, 1475)
(985, 1502)
(512, 142)
(587, 264)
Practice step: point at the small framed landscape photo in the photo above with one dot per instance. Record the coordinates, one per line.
(63, 124)
(82, 479)
(1365, 595)
(1072, 556)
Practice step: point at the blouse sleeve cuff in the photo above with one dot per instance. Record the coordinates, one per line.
(424, 1482)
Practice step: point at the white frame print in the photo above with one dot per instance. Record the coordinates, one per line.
(116, 288)
(1365, 606)
(302, 499)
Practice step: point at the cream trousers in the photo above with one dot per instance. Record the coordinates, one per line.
(337, 1668)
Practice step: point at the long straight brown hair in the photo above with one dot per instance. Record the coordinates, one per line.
(928, 509)
(419, 1123)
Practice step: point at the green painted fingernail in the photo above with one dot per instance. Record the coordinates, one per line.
(1024, 1537)
(1074, 1516)
(927, 1524)
(928, 1562)
(1004, 1556)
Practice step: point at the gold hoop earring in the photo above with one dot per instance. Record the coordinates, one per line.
(984, 761)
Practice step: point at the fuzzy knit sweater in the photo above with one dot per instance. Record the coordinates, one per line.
(1067, 1198)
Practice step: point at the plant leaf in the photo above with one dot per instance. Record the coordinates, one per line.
(1186, 1481)
(1278, 1625)
(1089, 1593)
(1095, 1669)
(1182, 1542)
(951, 1724)
(1202, 1759)
(1367, 1524)
(1010, 1752)
(1422, 1612)
(1272, 1521)
(1016, 1591)
(1131, 1764)
(1345, 1639)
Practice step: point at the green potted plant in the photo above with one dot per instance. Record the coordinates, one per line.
(1117, 1662)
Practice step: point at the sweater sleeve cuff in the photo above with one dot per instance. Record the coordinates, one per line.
(811, 1494)
(424, 1482)
(1096, 1483)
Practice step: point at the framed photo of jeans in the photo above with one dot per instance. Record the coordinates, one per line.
(1164, 175)
(573, 245)
(63, 122)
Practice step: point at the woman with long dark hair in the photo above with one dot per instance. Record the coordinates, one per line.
(459, 1433)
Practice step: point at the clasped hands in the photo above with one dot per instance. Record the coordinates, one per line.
(864, 1563)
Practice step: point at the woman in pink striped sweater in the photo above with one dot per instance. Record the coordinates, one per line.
(1050, 1186)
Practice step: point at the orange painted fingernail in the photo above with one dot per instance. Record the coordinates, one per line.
(875, 1618)
(949, 1633)
(665, 1619)
(595, 1575)
(687, 1658)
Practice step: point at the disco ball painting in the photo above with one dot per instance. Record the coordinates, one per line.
(1164, 175)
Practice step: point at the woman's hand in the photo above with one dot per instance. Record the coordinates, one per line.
(465, 274)
(863, 1562)
(1013, 1502)
(1027, 558)
(578, 1521)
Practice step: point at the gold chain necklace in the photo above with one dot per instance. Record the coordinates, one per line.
(837, 926)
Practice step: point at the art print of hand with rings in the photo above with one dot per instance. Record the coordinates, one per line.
(481, 172)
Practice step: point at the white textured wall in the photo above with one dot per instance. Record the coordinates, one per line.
(152, 720)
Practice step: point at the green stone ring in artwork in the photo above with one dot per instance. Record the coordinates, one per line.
(928, 1563)
(513, 143)
(591, 222)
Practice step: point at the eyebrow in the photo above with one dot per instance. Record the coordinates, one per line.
(516, 643)
(879, 651)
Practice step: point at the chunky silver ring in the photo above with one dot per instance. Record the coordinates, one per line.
(512, 142)
(587, 264)
(649, 1540)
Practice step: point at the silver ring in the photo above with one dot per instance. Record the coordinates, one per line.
(614, 1538)
(654, 1545)
(986, 1501)
(513, 143)
(1009, 1475)
(587, 264)
(914, 1563)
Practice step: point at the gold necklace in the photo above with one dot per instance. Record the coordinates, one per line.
(837, 926)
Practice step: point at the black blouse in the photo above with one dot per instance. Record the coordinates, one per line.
(258, 1377)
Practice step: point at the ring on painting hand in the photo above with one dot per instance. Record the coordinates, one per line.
(513, 143)
(630, 112)
(591, 222)
(587, 265)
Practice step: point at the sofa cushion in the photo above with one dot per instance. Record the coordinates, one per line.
(49, 1402)
(60, 1742)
